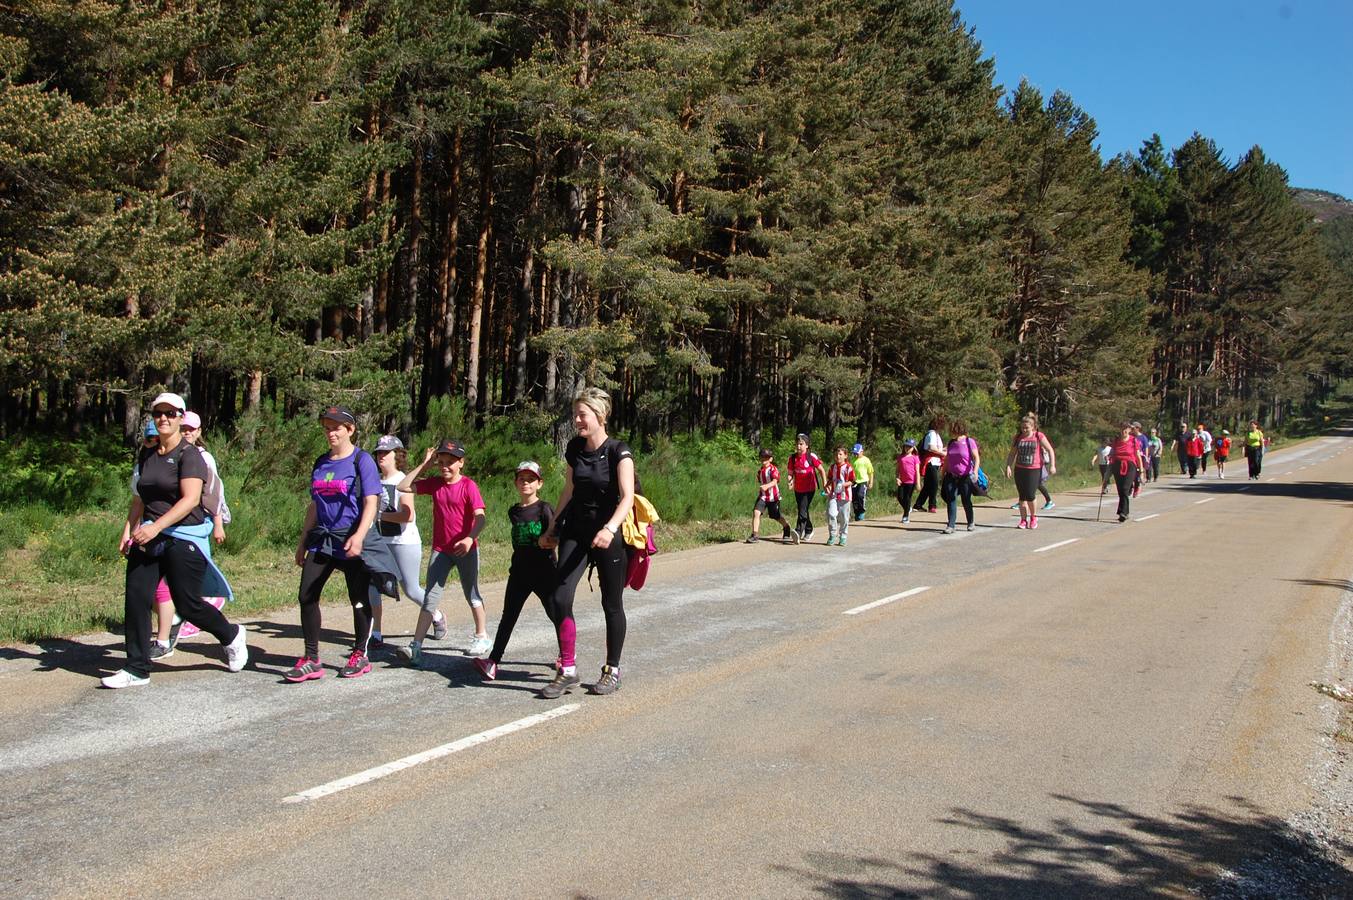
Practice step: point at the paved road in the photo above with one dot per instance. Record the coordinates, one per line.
(1126, 710)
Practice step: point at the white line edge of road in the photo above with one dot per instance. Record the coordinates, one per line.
(1145, 518)
(1204, 500)
(886, 600)
(1056, 545)
(408, 762)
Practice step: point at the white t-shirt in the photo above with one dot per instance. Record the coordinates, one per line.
(934, 443)
(1207, 440)
(408, 531)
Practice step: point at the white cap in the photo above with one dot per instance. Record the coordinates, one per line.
(169, 399)
(529, 466)
(389, 442)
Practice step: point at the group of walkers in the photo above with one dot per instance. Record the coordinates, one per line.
(360, 521)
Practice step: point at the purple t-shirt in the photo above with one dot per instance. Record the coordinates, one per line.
(958, 457)
(338, 498)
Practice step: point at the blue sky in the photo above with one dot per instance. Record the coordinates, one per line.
(1278, 74)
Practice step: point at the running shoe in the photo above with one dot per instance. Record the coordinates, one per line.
(488, 669)
(123, 679)
(1049, 505)
(1015, 505)
(561, 685)
(1023, 523)
(174, 632)
(161, 651)
(479, 646)
(439, 629)
(751, 539)
(934, 509)
(358, 665)
(948, 529)
(906, 519)
(971, 526)
(304, 670)
(1033, 523)
(794, 536)
(411, 653)
(237, 651)
(841, 541)
(609, 682)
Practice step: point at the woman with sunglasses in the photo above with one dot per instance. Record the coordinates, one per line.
(165, 537)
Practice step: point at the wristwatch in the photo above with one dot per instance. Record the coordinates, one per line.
(613, 529)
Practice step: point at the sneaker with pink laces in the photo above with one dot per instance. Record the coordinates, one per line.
(304, 670)
(358, 665)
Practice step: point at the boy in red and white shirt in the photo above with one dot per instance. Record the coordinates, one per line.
(840, 480)
(768, 500)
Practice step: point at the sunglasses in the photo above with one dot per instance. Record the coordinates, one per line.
(166, 414)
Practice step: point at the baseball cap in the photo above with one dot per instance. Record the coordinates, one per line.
(909, 442)
(858, 448)
(452, 448)
(1224, 431)
(149, 431)
(388, 442)
(529, 465)
(338, 414)
(169, 399)
(767, 453)
(192, 420)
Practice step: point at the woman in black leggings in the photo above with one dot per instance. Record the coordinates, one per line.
(598, 494)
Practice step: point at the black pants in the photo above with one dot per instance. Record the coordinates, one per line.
(1255, 455)
(1193, 466)
(182, 565)
(804, 526)
(1104, 478)
(1154, 465)
(612, 566)
(1125, 476)
(962, 490)
(904, 492)
(523, 579)
(318, 568)
(930, 489)
(858, 494)
(1203, 461)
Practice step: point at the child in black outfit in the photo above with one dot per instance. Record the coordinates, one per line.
(532, 570)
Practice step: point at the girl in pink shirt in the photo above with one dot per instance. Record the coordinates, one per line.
(908, 476)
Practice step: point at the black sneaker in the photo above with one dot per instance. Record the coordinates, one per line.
(609, 682)
(161, 651)
(561, 685)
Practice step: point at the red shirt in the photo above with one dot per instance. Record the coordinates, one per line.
(453, 509)
(769, 475)
(1125, 450)
(803, 468)
(840, 477)
(1196, 446)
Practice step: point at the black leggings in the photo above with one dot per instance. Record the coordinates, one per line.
(523, 580)
(962, 488)
(612, 565)
(318, 568)
(930, 489)
(904, 492)
(1256, 458)
(1125, 476)
(804, 526)
(182, 565)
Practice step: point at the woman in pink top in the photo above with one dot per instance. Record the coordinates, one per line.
(908, 476)
(961, 458)
(1125, 462)
(1029, 453)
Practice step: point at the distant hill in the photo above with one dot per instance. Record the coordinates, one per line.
(1323, 205)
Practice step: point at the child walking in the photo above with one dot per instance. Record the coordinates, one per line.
(457, 520)
(864, 480)
(1102, 459)
(908, 476)
(840, 493)
(768, 500)
(532, 570)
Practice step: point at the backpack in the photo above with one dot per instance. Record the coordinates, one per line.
(637, 533)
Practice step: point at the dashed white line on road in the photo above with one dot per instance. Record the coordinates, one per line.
(1204, 500)
(408, 762)
(886, 600)
(1056, 545)
(1144, 518)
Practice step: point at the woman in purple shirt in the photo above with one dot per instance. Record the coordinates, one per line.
(961, 458)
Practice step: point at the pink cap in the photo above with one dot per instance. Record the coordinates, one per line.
(192, 420)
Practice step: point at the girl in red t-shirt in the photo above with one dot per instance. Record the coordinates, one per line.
(805, 467)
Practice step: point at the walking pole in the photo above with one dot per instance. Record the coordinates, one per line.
(1101, 502)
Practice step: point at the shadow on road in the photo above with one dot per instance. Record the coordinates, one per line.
(1117, 854)
(1339, 584)
(72, 656)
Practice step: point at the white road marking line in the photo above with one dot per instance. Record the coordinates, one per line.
(1144, 518)
(1204, 500)
(1056, 545)
(886, 600)
(465, 743)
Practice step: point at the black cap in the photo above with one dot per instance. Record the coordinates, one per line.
(452, 448)
(767, 453)
(338, 414)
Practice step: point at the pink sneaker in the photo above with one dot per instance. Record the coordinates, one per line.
(1033, 523)
(487, 668)
(304, 670)
(1023, 523)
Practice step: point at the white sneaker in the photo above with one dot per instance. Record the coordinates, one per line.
(237, 651)
(479, 646)
(122, 678)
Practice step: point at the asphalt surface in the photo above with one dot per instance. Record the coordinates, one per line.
(1089, 709)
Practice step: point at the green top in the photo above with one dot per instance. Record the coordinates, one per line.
(1255, 438)
(864, 469)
